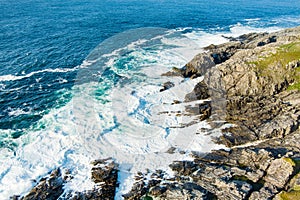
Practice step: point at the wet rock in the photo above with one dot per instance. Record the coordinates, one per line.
(137, 191)
(249, 37)
(167, 86)
(198, 65)
(269, 40)
(104, 174)
(50, 187)
(205, 110)
(202, 110)
(221, 53)
(104, 171)
(200, 92)
(264, 134)
(171, 150)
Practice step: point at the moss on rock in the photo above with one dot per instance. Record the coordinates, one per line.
(283, 64)
(292, 195)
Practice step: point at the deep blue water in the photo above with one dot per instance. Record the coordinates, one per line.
(38, 35)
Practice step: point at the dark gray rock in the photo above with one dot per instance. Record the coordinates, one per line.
(167, 86)
(200, 92)
(50, 187)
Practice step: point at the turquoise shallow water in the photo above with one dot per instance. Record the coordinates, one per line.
(45, 45)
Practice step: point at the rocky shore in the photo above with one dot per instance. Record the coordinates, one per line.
(252, 83)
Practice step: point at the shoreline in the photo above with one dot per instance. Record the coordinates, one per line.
(260, 107)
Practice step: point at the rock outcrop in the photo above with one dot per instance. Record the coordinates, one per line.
(253, 83)
(104, 175)
(50, 187)
(256, 172)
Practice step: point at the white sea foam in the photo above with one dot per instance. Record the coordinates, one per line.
(204, 39)
(239, 29)
(62, 80)
(17, 111)
(11, 77)
(287, 20)
(135, 125)
(252, 19)
(2, 86)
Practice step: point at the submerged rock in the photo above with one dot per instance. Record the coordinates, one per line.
(167, 86)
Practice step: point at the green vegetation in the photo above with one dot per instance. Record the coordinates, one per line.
(296, 188)
(297, 166)
(296, 85)
(284, 55)
(289, 160)
(292, 195)
(147, 198)
(275, 65)
(289, 52)
(294, 191)
(240, 178)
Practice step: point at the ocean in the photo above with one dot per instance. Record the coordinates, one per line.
(81, 80)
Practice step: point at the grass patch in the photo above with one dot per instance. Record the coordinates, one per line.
(294, 192)
(289, 160)
(296, 188)
(296, 84)
(275, 65)
(289, 52)
(284, 55)
(292, 195)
